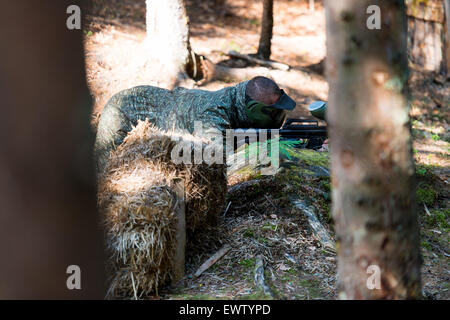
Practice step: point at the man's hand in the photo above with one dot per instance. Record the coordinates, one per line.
(324, 147)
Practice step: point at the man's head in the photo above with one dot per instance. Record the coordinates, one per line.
(264, 90)
(266, 103)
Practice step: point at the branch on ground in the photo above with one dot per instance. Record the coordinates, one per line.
(265, 63)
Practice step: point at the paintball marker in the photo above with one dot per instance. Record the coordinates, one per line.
(307, 132)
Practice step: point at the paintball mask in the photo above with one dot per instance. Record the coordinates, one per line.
(269, 116)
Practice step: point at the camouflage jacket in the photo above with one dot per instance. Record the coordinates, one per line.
(176, 109)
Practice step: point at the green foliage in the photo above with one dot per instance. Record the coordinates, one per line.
(285, 147)
(438, 219)
(421, 170)
(307, 162)
(435, 137)
(426, 245)
(325, 184)
(426, 195)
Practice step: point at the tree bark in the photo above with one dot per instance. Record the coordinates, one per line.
(371, 155)
(168, 39)
(426, 34)
(265, 39)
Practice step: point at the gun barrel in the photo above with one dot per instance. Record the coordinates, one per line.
(303, 132)
(292, 130)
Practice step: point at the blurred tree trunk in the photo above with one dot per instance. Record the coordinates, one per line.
(447, 35)
(265, 38)
(48, 218)
(311, 5)
(168, 37)
(373, 172)
(426, 34)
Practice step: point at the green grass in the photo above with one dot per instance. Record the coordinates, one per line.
(422, 170)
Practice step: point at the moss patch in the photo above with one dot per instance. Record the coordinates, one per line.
(438, 219)
(426, 195)
(310, 157)
(312, 286)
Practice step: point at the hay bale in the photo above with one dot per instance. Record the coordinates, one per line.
(137, 198)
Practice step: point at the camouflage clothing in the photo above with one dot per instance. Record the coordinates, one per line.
(168, 109)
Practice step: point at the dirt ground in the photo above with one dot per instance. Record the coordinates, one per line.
(261, 224)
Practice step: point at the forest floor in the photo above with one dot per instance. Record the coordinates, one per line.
(261, 223)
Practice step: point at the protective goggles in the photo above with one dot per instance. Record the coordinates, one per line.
(269, 116)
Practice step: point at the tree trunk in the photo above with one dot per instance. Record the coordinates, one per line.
(265, 38)
(447, 35)
(426, 34)
(168, 38)
(372, 166)
(48, 218)
(311, 5)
